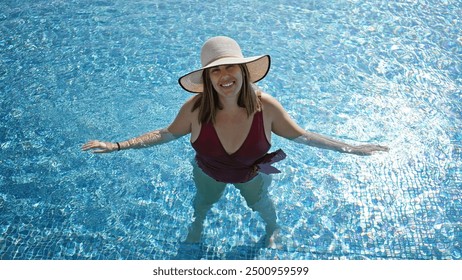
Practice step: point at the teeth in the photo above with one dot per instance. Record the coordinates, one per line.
(227, 85)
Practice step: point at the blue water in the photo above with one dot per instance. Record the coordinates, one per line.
(387, 72)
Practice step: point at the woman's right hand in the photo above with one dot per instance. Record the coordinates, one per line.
(99, 147)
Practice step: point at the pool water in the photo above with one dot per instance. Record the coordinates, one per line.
(387, 72)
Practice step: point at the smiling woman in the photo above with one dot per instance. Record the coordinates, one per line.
(230, 121)
(226, 79)
(371, 71)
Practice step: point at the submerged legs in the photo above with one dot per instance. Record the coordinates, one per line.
(255, 193)
(208, 192)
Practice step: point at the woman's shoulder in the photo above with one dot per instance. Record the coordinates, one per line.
(186, 110)
(265, 97)
(268, 101)
(189, 103)
(184, 120)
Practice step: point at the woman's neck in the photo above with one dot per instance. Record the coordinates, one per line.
(229, 104)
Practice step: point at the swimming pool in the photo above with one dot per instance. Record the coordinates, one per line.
(387, 72)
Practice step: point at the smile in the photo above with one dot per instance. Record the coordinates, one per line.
(227, 84)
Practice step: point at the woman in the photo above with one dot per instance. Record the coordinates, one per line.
(231, 122)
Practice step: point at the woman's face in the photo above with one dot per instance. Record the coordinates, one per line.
(226, 79)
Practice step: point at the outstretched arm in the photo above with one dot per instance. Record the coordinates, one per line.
(146, 140)
(320, 141)
(179, 127)
(284, 126)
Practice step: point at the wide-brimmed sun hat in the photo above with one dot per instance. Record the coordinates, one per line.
(223, 50)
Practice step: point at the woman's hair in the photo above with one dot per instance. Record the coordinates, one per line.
(209, 104)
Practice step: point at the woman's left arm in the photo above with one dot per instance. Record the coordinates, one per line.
(283, 125)
(320, 141)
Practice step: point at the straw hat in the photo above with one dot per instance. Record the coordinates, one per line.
(224, 51)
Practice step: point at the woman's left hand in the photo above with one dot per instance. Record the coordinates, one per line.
(99, 147)
(368, 149)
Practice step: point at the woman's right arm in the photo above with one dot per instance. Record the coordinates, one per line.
(179, 127)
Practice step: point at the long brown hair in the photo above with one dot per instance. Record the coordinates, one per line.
(209, 104)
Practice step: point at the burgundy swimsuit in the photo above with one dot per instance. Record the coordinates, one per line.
(242, 165)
